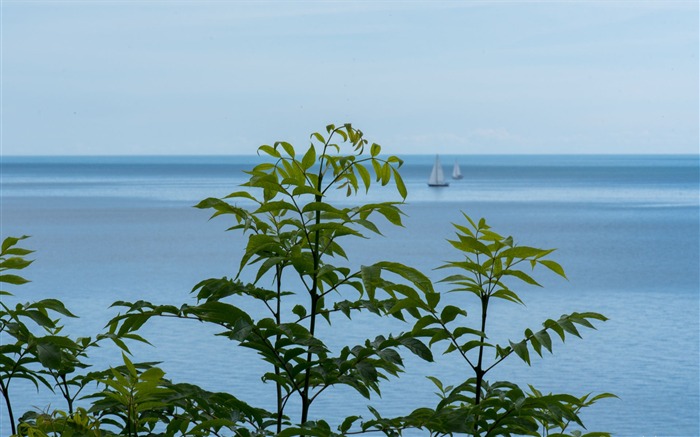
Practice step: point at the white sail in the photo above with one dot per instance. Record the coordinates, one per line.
(456, 171)
(437, 177)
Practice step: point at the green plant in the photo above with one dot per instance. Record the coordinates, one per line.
(488, 263)
(137, 398)
(59, 423)
(295, 225)
(131, 400)
(294, 230)
(38, 352)
(27, 353)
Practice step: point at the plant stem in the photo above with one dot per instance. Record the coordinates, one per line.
(479, 367)
(65, 390)
(278, 320)
(6, 395)
(305, 395)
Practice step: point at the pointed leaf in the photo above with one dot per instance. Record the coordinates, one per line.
(309, 158)
(553, 266)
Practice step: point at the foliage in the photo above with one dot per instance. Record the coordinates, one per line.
(488, 260)
(295, 210)
(31, 356)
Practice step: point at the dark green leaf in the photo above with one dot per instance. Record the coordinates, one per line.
(15, 263)
(450, 312)
(13, 279)
(417, 347)
(520, 349)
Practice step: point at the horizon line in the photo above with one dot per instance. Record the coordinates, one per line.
(189, 155)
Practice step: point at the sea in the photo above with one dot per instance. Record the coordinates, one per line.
(626, 229)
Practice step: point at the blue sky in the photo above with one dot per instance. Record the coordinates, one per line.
(223, 77)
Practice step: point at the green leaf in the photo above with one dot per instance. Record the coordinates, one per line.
(400, 184)
(391, 213)
(309, 158)
(417, 347)
(569, 327)
(520, 349)
(241, 194)
(374, 150)
(368, 225)
(269, 151)
(470, 245)
(364, 175)
(371, 279)
(54, 305)
(17, 251)
(433, 299)
(277, 207)
(461, 330)
(15, 263)
(377, 167)
(522, 276)
(347, 423)
(287, 148)
(523, 252)
(318, 137)
(299, 310)
(129, 365)
(219, 312)
(508, 295)
(409, 273)
(592, 315)
(423, 322)
(450, 312)
(553, 266)
(49, 354)
(386, 173)
(544, 339)
(11, 241)
(554, 326)
(533, 341)
(13, 279)
(471, 344)
(40, 317)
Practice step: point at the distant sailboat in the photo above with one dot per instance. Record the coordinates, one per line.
(437, 177)
(456, 172)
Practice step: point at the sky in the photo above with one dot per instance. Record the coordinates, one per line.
(460, 77)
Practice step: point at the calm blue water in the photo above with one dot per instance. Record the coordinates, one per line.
(626, 229)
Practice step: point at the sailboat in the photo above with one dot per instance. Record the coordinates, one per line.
(456, 172)
(437, 177)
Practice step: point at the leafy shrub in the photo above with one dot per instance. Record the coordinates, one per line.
(295, 229)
